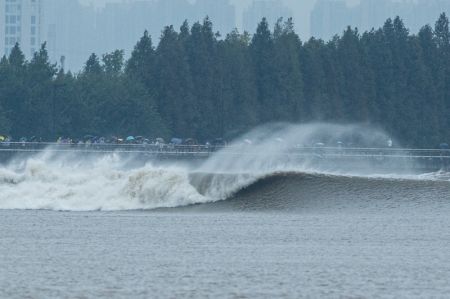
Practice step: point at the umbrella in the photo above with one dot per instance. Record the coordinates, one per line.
(130, 138)
(2, 138)
(176, 141)
(190, 141)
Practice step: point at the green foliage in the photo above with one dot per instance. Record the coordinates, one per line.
(113, 62)
(92, 66)
(195, 84)
(142, 61)
(5, 123)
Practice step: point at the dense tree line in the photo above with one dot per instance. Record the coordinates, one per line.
(195, 83)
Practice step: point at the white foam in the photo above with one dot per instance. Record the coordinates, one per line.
(47, 182)
(108, 182)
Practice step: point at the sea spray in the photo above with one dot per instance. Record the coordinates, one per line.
(63, 183)
(271, 148)
(76, 182)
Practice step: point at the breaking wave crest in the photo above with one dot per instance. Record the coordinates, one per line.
(108, 183)
(111, 182)
(56, 183)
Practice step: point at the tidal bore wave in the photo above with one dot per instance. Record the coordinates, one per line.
(265, 177)
(324, 192)
(108, 183)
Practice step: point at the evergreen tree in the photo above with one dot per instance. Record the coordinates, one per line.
(442, 35)
(313, 78)
(41, 101)
(442, 32)
(195, 84)
(240, 108)
(201, 52)
(350, 56)
(141, 64)
(174, 87)
(15, 91)
(92, 66)
(262, 52)
(113, 62)
(422, 98)
(289, 99)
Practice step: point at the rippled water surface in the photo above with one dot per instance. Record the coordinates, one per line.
(395, 249)
(259, 229)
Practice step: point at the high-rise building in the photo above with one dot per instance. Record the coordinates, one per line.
(75, 31)
(69, 30)
(330, 17)
(221, 12)
(2, 29)
(20, 23)
(272, 10)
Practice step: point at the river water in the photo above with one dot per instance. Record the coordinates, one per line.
(246, 226)
(286, 236)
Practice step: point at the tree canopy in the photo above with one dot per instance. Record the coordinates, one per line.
(194, 83)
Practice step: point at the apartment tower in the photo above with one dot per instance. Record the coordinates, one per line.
(20, 22)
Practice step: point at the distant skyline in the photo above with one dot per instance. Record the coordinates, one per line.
(103, 29)
(301, 10)
(330, 17)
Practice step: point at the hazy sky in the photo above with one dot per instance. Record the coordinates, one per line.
(301, 9)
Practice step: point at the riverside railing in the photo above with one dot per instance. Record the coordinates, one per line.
(318, 152)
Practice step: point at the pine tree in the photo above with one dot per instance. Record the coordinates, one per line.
(201, 52)
(240, 109)
(113, 63)
(195, 84)
(262, 53)
(289, 99)
(141, 64)
(175, 90)
(442, 34)
(15, 91)
(314, 80)
(351, 59)
(41, 101)
(92, 66)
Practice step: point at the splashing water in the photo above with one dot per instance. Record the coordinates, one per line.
(109, 182)
(266, 149)
(47, 182)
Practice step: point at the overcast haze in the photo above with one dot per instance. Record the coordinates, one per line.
(300, 8)
(74, 29)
